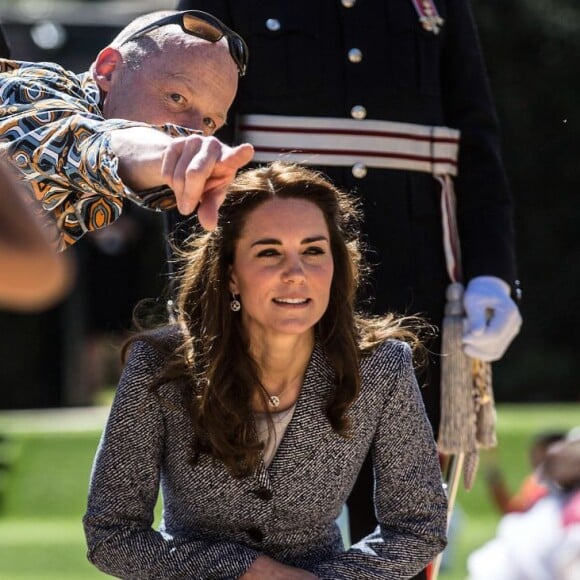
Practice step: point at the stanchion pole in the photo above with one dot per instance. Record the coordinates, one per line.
(452, 478)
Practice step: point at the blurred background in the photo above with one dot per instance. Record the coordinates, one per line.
(64, 362)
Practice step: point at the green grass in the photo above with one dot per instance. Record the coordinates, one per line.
(43, 494)
(43, 497)
(43, 548)
(49, 474)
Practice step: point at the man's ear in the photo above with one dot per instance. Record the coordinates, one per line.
(105, 64)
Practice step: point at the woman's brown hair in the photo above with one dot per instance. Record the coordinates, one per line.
(213, 358)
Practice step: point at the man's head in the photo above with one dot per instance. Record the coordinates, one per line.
(167, 75)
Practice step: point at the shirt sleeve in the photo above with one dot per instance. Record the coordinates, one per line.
(54, 133)
(410, 502)
(124, 488)
(484, 200)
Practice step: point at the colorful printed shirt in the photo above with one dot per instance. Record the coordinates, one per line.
(53, 130)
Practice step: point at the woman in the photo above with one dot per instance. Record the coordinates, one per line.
(256, 410)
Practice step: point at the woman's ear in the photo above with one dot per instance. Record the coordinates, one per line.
(233, 285)
(107, 61)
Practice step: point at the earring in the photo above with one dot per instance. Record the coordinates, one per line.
(235, 304)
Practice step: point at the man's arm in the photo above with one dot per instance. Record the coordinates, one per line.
(484, 202)
(83, 169)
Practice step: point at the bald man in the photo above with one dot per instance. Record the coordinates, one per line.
(137, 126)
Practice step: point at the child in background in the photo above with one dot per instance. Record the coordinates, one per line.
(532, 488)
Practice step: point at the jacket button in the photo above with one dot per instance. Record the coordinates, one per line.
(263, 493)
(358, 112)
(273, 24)
(255, 534)
(355, 55)
(359, 170)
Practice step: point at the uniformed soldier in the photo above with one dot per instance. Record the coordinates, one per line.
(389, 98)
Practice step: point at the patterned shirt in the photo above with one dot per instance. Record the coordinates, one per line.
(53, 130)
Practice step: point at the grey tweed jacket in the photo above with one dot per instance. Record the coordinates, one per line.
(215, 526)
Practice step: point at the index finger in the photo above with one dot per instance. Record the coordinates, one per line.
(199, 169)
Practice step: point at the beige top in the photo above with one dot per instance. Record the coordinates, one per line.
(272, 440)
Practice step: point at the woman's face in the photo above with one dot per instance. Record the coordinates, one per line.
(282, 269)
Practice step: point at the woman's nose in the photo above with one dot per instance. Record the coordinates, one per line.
(293, 270)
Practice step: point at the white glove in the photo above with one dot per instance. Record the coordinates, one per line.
(493, 319)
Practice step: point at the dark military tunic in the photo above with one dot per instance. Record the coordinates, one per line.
(372, 58)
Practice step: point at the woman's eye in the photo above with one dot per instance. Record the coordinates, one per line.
(314, 251)
(268, 253)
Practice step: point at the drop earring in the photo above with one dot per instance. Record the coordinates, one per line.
(235, 304)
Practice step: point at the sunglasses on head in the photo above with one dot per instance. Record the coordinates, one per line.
(205, 26)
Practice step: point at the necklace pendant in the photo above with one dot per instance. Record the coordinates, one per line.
(274, 401)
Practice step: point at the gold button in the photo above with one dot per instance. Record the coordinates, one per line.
(358, 112)
(355, 55)
(359, 170)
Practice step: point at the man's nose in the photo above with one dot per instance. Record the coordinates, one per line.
(195, 121)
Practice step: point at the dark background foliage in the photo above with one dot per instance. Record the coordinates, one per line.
(532, 48)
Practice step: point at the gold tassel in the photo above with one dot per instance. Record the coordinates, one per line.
(467, 406)
(457, 429)
(484, 404)
(470, 466)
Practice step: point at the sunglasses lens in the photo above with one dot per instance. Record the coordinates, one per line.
(201, 28)
(239, 52)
